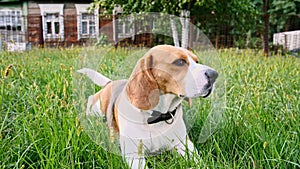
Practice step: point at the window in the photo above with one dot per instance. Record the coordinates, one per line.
(125, 27)
(87, 22)
(53, 21)
(11, 25)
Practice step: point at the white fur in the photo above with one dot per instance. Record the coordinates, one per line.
(96, 77)
(196, 80)
(137, 137)
(93, 109)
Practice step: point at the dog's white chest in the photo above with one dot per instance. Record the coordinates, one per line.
(153, 137)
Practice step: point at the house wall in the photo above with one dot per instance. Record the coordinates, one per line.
(106, 27)
(35, 24)
(12, 39)
(70, 24)
(35, 35)
(35, 32)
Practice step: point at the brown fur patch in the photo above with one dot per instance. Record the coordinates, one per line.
(105, 100)
(155, 73)
(142, 85)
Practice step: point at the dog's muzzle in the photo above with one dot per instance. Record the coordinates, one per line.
(199, 81)
(211, 76)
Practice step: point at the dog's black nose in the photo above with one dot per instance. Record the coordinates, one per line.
(211, 75)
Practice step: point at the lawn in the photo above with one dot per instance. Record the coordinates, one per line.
(40, 125)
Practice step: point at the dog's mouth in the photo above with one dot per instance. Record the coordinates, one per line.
(209, 90)
(205, 93)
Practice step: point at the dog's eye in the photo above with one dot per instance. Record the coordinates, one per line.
(179, 62)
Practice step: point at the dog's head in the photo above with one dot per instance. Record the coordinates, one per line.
(168, 69)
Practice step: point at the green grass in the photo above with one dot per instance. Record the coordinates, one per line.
(40, 125)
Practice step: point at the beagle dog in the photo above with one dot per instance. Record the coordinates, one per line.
(146, 110)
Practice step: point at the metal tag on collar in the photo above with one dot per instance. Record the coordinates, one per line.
(158, 117)
(172, 119)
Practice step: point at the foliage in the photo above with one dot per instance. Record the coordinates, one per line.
(236, 17)
(102, 41)
(281, 12)
(136, 6)
(39, 125)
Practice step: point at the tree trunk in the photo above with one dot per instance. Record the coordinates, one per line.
(266, 27)
(266, 35)
(217, 40)
(174, 32)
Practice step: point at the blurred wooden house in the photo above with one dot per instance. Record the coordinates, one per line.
(56, 23)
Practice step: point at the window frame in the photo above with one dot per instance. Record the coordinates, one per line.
(12, 20)
(56, 13)
(91, 20)
(52, 20)
(126, 28)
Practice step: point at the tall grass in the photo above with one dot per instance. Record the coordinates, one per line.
(39, 125)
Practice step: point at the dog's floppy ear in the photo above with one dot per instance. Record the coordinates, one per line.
(142, 88)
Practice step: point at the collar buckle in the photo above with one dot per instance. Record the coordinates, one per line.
(157, 116)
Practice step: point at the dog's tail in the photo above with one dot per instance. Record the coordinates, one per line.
(96, 77)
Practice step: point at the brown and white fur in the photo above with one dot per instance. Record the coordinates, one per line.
(161, 80)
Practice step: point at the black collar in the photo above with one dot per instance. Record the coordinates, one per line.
(158, 116)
